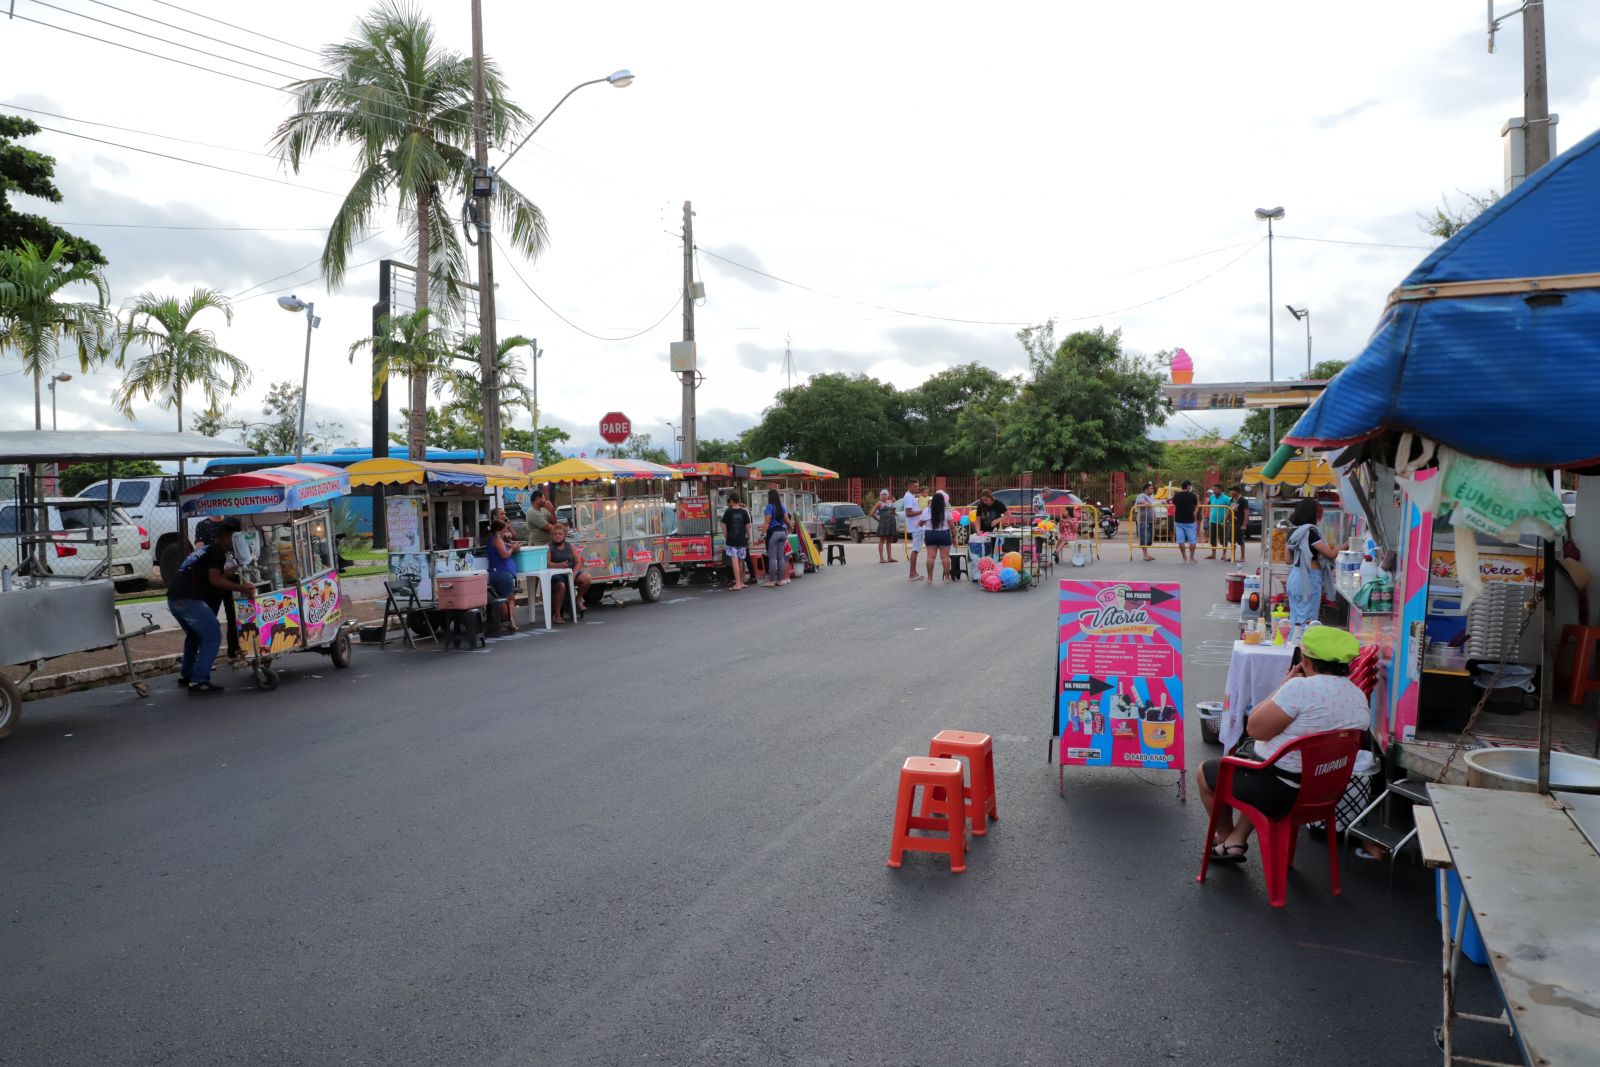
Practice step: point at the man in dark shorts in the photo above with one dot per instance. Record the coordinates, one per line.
(565, 556)
(736, 539)
(1185, 508)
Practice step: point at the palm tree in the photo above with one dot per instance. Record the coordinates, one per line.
(409, 346)
(405, 105)
(466, 386)
(177, 355)
(34, 323)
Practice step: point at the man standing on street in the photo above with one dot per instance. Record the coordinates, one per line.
(1217, 527)
(1185, 508)
(915, 524)
(540, 519)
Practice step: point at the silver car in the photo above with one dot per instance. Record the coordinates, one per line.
(77, 529)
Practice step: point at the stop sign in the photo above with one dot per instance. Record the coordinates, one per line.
(615, 427)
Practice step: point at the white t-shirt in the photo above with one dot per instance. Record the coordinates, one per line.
(1321, 702)
(914, 522)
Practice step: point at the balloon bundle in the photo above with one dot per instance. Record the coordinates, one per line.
(998, 576)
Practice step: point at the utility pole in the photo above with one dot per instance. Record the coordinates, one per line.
(689, 447)
(1535, 91)
(788, 362)
(482, 191)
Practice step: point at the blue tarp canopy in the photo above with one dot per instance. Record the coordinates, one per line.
(1492, 344)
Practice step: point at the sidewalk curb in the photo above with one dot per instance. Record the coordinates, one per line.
(43, 686)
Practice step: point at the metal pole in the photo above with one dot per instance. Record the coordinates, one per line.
(1308, 342)
(53, 412)
(1272, 412)
(486, 314)
(305, 384)
(690, 450)
(538, 460)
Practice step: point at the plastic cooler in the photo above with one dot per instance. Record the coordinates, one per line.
(531, 558)
(456, 592)
(1471, 941)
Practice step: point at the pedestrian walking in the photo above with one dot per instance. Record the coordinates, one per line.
(888, 529)
(777, 540)
(1144, 519)
(736, 539)
(915, 524)
(937, 538)
(1185, 519)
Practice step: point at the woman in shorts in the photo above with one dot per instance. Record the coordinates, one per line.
(937, 537)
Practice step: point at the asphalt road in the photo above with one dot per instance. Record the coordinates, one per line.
(660, 837)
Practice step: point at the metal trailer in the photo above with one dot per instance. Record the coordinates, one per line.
(286, 550)
(42, 615)
(621, 518)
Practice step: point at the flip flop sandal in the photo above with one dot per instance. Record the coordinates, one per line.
(206, 687)
(1228, 855)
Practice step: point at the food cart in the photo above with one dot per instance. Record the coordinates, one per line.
(799, 501)
(434, 514)
(1278, 494)
(699, 497)
(286, 550)
(43, 615)
(620, 519)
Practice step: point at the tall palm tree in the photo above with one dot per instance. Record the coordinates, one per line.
(177, 354)
(405, 105)
(34, 322)
(409, 346)
(466, 386)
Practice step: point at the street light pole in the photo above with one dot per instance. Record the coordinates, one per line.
(295, 304)
(1270, 214)
(53, 381)
(1303, 315)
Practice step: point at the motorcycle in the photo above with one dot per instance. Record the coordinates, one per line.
(1108, 522)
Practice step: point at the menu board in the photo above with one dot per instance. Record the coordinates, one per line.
(1119, 675)
(403, 522)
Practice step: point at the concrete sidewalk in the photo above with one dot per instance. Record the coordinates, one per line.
(368, 587)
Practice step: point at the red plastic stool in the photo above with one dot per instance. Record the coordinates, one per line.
(978, 796)
(940, 779)
(1579, 684)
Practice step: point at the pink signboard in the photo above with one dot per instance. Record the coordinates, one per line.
(1119, 675)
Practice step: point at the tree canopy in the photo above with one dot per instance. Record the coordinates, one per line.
(23, 170)
(1252, 435)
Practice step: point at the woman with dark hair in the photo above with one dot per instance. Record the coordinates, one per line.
(502, 550)
(777, 540)
(936, 539)
(1316, 696)
(1307, 549)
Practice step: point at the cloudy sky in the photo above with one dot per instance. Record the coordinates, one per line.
(929, 177)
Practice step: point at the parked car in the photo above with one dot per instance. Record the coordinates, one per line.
(1252, 526)
(844, 522)
(73, 522)
(1569, 502)
(1020, 501)
(150, 502)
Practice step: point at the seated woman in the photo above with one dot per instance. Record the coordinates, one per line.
(565, 556)
(1316, 696)
(503, 568)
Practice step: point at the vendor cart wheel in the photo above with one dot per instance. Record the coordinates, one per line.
(339, 651)
(10, 707)
(593, 595)
(861, 535)
(266, 678)
(142, 689)
(651, 584)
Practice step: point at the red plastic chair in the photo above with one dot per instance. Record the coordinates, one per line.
(1326, 760)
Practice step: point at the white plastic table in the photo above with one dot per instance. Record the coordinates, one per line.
(545, 581)
(1254, 674)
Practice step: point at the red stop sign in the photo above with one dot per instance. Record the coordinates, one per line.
(615, 427)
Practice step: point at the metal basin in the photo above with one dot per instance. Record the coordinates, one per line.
(1518, 769)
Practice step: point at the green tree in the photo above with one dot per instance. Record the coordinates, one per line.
(847, 422)
(35, 322)
(404, 103)
(637, 446)
(408, 345)
(551, 438)
(74, 479)
(1089, 406)
(178, 354)
(1252, 435)
(1196, 456)
(723, 450)
(465, 385)
(934, 408)
(444, 431)
(1448, 219)
(279, 426)
(32, 174)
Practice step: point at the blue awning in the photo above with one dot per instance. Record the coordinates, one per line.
(1492, 344)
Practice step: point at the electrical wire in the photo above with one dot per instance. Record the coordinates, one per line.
(207, 229)
(1363, 244)
(162, 40)
(1175, 292)
(303, 266)
(194, 162)
(316, 278)
(241, 29)
(860, 303)
(157, 55)
(208, 37)
(506, 257)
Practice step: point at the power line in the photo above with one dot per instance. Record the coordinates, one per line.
(1364, 244)
(157, 55)
(208, 229)
(241, 29)
(160, 136)
(193, 162)
(208, 37)
(163, 40)
(1175, 292)
(512, 264)
(860, 303)
(303, 266)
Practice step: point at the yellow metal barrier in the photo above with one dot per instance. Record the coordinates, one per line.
(1151, 527)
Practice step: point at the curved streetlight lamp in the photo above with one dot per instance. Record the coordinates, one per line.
(295, 304)
(1269, 215)
(53, 381)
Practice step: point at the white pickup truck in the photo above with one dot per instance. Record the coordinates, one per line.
(150, 502)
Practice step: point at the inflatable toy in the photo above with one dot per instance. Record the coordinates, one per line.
(990, 582)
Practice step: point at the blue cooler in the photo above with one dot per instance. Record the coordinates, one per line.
(1471, 940)
(530, 558)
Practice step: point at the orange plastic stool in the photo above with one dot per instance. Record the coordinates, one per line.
(1583, 640)
(978, 796)
(940, 780)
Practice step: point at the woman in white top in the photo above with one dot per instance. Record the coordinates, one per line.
(1315, 697)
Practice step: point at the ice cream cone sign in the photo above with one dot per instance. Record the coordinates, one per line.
(1182, 368)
